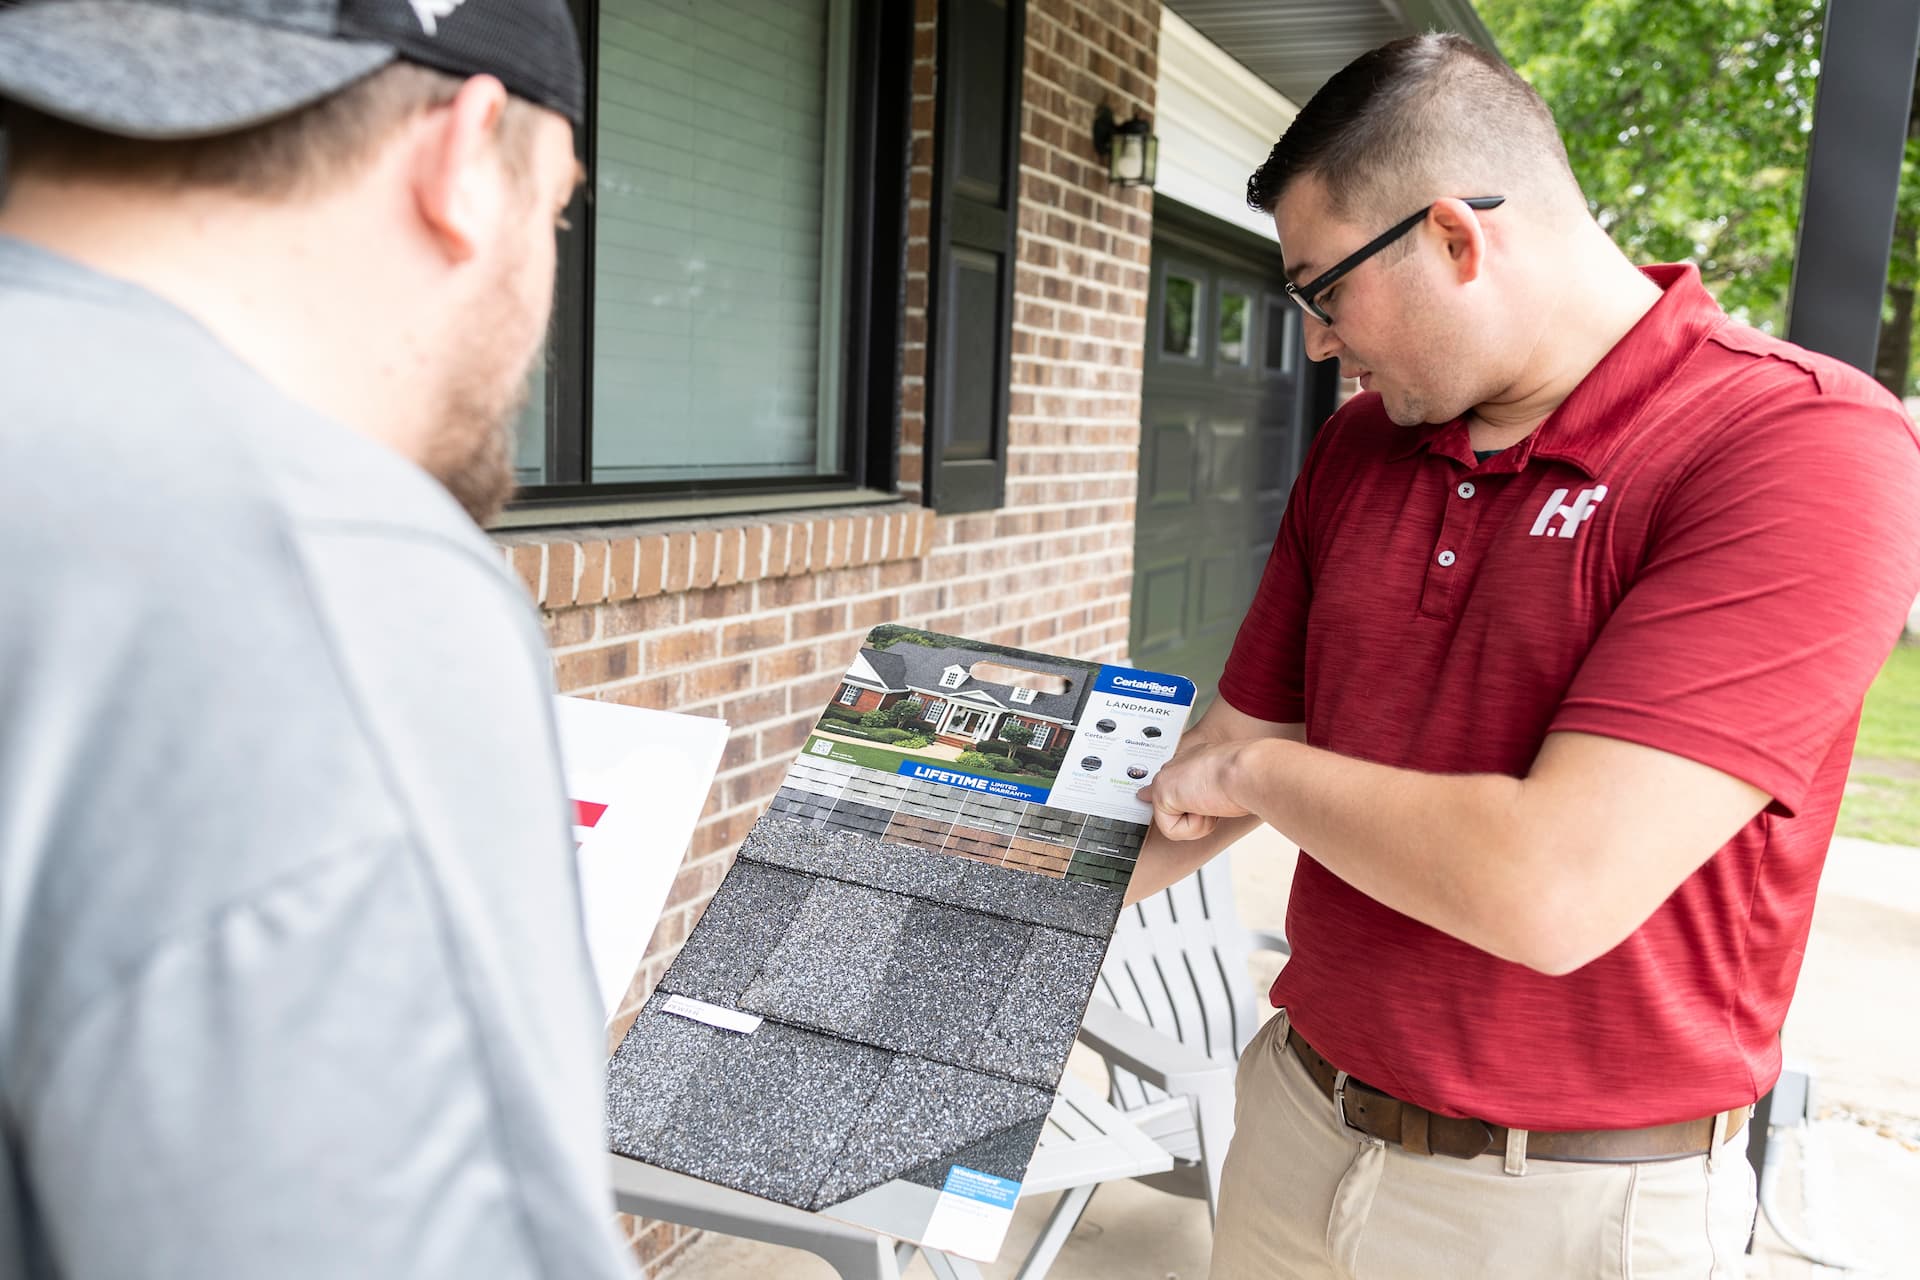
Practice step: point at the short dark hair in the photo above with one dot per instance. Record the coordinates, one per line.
(1410, 121)
(300, 151)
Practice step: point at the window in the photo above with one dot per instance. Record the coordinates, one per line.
(719, 301)
(1236, 318)
(1179, 305)
(932, 713)
(1282, 317)
(1023, 695)
(849, 696)
(953, 677)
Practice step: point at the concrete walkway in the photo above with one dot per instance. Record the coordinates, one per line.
(1852, 1180)
(932, 751)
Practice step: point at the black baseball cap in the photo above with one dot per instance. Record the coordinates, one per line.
(199, 68)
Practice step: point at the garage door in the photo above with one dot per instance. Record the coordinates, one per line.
(1222, 432)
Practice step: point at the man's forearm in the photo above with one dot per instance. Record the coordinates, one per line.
(1549, 870)
(1448, 850)
(1164, 862)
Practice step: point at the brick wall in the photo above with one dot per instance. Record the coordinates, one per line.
(754, 620)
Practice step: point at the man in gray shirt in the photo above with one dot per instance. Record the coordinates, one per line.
(291, 972)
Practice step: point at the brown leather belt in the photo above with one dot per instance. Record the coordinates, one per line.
(1386, 1117)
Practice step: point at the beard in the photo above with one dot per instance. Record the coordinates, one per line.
(471, 453)
(470, 450)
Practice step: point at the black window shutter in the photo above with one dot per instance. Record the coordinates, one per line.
(975, 226)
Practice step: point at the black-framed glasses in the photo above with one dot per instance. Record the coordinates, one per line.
(1304, 294)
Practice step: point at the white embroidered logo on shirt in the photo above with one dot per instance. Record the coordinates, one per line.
(1571, 514)
(431, 11)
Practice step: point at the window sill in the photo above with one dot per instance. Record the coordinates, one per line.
(601, 558)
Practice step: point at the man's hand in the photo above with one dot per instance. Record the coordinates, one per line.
(1186, 830)
(1194, 790)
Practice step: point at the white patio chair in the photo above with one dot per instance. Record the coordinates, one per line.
(1172, 1011)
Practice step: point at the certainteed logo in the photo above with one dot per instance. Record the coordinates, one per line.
(1145, 686)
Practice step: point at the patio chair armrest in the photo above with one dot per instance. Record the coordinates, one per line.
(1270, 940)
(1158, 1059)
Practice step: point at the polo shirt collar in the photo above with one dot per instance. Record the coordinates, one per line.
(1592, 421)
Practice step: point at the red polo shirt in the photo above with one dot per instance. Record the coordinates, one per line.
(1709, 548)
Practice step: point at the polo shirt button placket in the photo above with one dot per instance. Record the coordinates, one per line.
(1459, 515)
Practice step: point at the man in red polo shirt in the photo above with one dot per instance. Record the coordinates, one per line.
(1553, 675)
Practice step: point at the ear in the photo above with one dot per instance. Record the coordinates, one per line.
(1461, 235)
(458, 176)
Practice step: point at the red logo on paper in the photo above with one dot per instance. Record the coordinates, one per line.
(585, 814)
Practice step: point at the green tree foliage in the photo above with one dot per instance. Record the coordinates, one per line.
(1686, 122)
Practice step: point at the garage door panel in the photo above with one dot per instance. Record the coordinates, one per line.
(1161, 605)
(1226, 459)
(1167, 479)
(1223, 594)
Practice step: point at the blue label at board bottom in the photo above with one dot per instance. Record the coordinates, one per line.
(971, 1184)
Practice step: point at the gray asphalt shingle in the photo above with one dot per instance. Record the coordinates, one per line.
(828, 969)
(923, 1113)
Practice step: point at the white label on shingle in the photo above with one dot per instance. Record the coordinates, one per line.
(712, 1014)
(972, 1215)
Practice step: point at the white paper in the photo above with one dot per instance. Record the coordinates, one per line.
(638, 779)
(712, 1014)
(972, 1215)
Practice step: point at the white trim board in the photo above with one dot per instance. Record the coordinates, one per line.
(1216, 122)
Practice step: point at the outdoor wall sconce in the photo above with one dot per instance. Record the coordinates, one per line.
(1131, 150)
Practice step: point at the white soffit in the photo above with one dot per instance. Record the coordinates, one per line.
(1216, 121)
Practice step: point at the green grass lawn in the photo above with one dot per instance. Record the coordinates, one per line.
(889, 762)
(1883, 791)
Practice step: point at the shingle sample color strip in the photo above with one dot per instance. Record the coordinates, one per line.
(972, 842)
(851, 815)
(1038, 856)
(823, 777)
(1043, 822)
(801, 806)
(882, 791)
(930, 800)
(922, 833)
(997, 814)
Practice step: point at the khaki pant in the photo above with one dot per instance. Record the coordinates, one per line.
(1304, 1198)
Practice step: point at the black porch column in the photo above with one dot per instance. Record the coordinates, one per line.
(1853, 177)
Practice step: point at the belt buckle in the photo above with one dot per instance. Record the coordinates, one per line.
(1340, 1100)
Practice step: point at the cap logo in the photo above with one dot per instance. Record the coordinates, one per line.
(431, 11)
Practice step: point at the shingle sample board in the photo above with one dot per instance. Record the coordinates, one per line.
(871, 1017)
